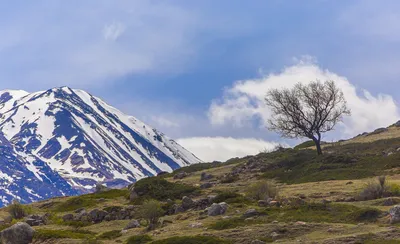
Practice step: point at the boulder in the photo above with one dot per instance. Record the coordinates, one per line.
(204, 176)
(180, 175)
(250, 213)
(206, 185)
(132, 224)
(394, 214)
(97, 215)
(20, 233)
(36, 220)
(68, 217)
(187, 203)
(217, 209)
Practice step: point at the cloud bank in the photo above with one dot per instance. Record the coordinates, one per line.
(209, 149)
(243, 102)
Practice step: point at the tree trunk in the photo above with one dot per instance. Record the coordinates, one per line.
(317, 142)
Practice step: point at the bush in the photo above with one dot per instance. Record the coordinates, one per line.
(139, 239)
(161, 189)
(394, 189)
(229, 197)
(110, 235)
(231, 223)
(262, 190)
(17, 210)
(151, 211)
(192, 240)
(375, 190)
(43, 234)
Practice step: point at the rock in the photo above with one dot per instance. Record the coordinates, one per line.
(178, 208)
(196, 225)
(274, 236)
(275, 221)
(187, 203)
(204, 176)
(68, 217)
(349, 183)
(20, 233)
(250, 213)
(273, 204)
(301, 223)
(201, 204)
(325, 201)
(180, 175)
(349, 199)
(257, 242)
(217, 209)
(97, 215)
(263, 203)
(388, 202)
(206, 185)
(132, 224)
(394, 214)
(36, 220)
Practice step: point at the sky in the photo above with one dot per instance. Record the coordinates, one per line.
(198, 70)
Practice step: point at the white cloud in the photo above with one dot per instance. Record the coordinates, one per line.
(113, 31)
(223, 148)
(244, 101)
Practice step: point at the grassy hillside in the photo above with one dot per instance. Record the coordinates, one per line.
(324, 199)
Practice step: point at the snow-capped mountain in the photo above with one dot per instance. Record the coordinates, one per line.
(64, 141)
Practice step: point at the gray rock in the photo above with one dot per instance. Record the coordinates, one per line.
(217, 209)
(206, 185)
(394, 214)
(20, 233)
(263, 203)
(187, 203)
(180, 175)
(257, 242)
(389, 202)
(274, 236)
(132, 224)
(250, 213)
(204, 176)
(68, 217)
(97, 215)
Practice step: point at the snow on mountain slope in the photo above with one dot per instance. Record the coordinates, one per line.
(84, 139)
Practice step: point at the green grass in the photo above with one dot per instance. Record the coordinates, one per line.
(313, 212)
(89, 200)
(139, 239)
(110, 235)
(45, 234)
(192, 240)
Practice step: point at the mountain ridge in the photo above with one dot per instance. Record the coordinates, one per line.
(83, 139)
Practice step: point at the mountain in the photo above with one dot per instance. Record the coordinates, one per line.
(64, 141)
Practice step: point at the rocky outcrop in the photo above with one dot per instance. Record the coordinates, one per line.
(394, 214)
(36, 220)
(20, 233)
(204, 176)
(132, 224)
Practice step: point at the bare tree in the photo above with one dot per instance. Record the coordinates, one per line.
(306, 110)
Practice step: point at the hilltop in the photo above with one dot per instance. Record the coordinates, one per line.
(333, 198)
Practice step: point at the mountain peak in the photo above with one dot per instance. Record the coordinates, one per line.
(81, 139)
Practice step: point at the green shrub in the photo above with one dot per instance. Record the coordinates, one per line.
(192, 240)
(262, 190)
(46, 234)
(151, 211)
(161, 189)
(17, 210)
(374, 190)
(110, 235)
(229, 197)
(139, 239)
(394, 189)
(231, 223)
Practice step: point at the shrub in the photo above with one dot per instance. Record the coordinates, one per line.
(110, 235)
(47, 234)
(17, 210)
(231, 223)
(394, 189)
(262, 190)
(229, 197)
(151, 211)
(375, 190)
(139, 239)
(192, 240)
(161, 189)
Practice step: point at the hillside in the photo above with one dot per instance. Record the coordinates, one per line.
(64, 141)
(334, 198)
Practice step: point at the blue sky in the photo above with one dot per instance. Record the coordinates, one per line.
(177, 64)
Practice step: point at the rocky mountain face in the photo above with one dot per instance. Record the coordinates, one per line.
(64, 141)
